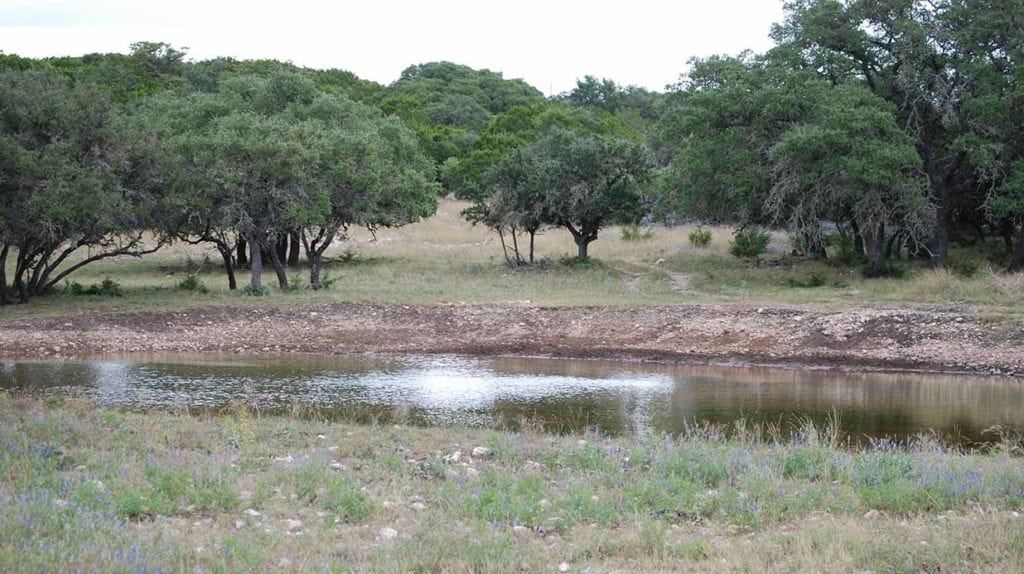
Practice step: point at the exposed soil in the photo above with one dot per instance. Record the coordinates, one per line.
(929, 338)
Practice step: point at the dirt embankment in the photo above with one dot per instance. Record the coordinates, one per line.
(946, 339)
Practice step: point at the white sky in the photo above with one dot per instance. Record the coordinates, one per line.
(548, 43)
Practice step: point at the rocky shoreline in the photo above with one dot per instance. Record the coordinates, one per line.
(942, 339)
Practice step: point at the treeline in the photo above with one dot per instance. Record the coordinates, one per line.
(891, 126)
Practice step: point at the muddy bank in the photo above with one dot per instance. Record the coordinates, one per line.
(939, 338)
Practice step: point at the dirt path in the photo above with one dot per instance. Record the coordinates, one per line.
(935, 338)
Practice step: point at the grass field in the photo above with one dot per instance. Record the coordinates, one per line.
(89, 489)
(444, 259)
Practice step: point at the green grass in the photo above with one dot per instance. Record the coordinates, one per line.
(85, 488)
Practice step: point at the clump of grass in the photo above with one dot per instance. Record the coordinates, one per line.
(107, 288)
(251, 291)
(635, 232)
(700, 237)
(966, 267)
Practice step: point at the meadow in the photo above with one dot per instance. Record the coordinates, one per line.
(444, 260)
(92, 489)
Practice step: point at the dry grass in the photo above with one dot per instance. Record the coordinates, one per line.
(444, 259)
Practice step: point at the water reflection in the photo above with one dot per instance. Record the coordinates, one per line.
(559, 394)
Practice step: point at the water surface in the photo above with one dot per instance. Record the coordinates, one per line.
(561, 395)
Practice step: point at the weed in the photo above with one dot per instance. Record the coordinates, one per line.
(636, 233)
(700, 237)
(107, 288)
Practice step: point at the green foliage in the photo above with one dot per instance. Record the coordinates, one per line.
(107, 288)
(191, 282)
(966, 267)
(749, 243)
(253, 291)
(700, 237)
(842, 250)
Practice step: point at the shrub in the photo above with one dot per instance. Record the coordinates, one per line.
(843, 250)
(889, 269)
(700, 237)
(966, 267)
(192, 283)
(251, 291)
(636, 233)
(811, 282)
(108, 288)
(749, 243)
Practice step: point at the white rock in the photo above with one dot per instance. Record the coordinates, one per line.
(239, 524)
(581, 442)
(453, 457)
(418, 506)
(321, 437)
(284, 563)
(563, 567)
(385, 534)
(292, 524)
(544, 503)
(253, 513)
(482, 452)
(337, 466)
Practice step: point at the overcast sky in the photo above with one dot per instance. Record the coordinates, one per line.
(548, 43)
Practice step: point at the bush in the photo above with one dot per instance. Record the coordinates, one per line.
(192, 283)
(636, 233)
(966, 267)
(749, 243)
(889, 269)
(843, 250)
(700, 237)
(108, 288)
(811, 282)
(251, 291)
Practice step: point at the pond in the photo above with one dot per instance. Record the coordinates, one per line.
(560, 395)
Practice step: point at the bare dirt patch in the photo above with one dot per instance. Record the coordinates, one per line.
(939, 338)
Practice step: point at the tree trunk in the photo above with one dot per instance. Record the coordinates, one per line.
(294, 249)
(583, 237)
(858, 239)
(515, 248)
(533, 234)
(874, 247)
(3, 274)
(582, 245)
(282, 248)
(242, 258)
(256, 250)
(315, 264)
(1017, 262)
(1006, 230)
(229, 268)
(277, 261)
